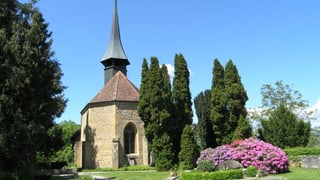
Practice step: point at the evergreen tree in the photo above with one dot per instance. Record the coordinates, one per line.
(181, 97)
(189, 150)
(236, 98)
(155, 104)
(218, 102)
(31, 91)
(163, 152)
(202, 103)
(228, 101)
(144, 98)
(243, 130)
(284, 129)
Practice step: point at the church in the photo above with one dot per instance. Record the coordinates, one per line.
(112, 133)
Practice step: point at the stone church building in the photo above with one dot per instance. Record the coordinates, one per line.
(112, 133)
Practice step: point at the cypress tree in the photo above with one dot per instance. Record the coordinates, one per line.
(236, 98)
(181, 97)
(202, 103)
(189, 150)
(155, 106)
(218, 102)
(31, 90)
(153, 124)
(144, 97)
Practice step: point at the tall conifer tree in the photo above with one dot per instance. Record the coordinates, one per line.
(202, 103)
(144, 98)
(228, 102)
(218, 103)
(31, 90)
(155, 107)
(181, 97)
(236, 98)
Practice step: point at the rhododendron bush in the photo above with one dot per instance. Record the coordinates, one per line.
(249, 152)
(217, 155)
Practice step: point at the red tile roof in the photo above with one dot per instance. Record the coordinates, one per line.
(118, 88)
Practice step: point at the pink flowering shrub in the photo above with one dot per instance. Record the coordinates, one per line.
(264, 156)
(249, 152)
(215, 156)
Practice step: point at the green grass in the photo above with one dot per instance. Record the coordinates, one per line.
(294, 174)
(301, 173)
(135, 175)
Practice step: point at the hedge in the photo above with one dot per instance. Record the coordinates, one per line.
(298, 151)
(217, 175)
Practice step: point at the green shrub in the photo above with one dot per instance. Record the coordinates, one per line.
(137, 168)
(84, 178)
(189, 150)
(251, 171)
(218, 175)
(205, 165)
(298, 151)
(163, 152)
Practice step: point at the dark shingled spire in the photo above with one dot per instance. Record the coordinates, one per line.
(114, 59)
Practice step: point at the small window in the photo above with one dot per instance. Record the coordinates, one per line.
(129, 138)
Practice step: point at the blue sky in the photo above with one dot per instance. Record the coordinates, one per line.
(267, 40)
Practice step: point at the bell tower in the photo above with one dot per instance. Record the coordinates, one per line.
(114, 59)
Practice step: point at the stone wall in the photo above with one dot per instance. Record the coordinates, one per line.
(310, 162)
(101, 124)
(127, 113)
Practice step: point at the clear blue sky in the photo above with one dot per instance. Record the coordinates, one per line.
(267, 40)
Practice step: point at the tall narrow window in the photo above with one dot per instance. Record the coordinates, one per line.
(129, 138)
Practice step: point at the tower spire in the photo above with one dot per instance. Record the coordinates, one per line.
(114, 59)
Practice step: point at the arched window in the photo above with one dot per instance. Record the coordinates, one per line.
(129, 138)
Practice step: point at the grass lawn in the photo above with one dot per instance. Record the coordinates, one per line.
(301, 173)
(294, 174)
(135, 175)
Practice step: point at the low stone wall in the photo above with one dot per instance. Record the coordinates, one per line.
(310, 162)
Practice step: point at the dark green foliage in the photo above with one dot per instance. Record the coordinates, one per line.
(31, 91)
(181, 91)
(189, 150)
(153, 106)
(236, 99)
(66, 153)
(217, 175)
(202, 103)
(155, 109)
(251, 171)
(163, 152)
(285, 129)
(181, 98)
(243, 130)
(228, 102)
(205, 165)
(218, 102)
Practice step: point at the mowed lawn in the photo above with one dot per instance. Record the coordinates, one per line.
(135, 175)
(301, 174)
(294, 174)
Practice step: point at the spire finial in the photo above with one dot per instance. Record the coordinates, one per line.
(115, 49)
(114, 59)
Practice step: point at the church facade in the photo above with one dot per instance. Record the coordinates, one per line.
(112, 133)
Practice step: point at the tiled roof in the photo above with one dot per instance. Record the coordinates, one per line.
(118, 88)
